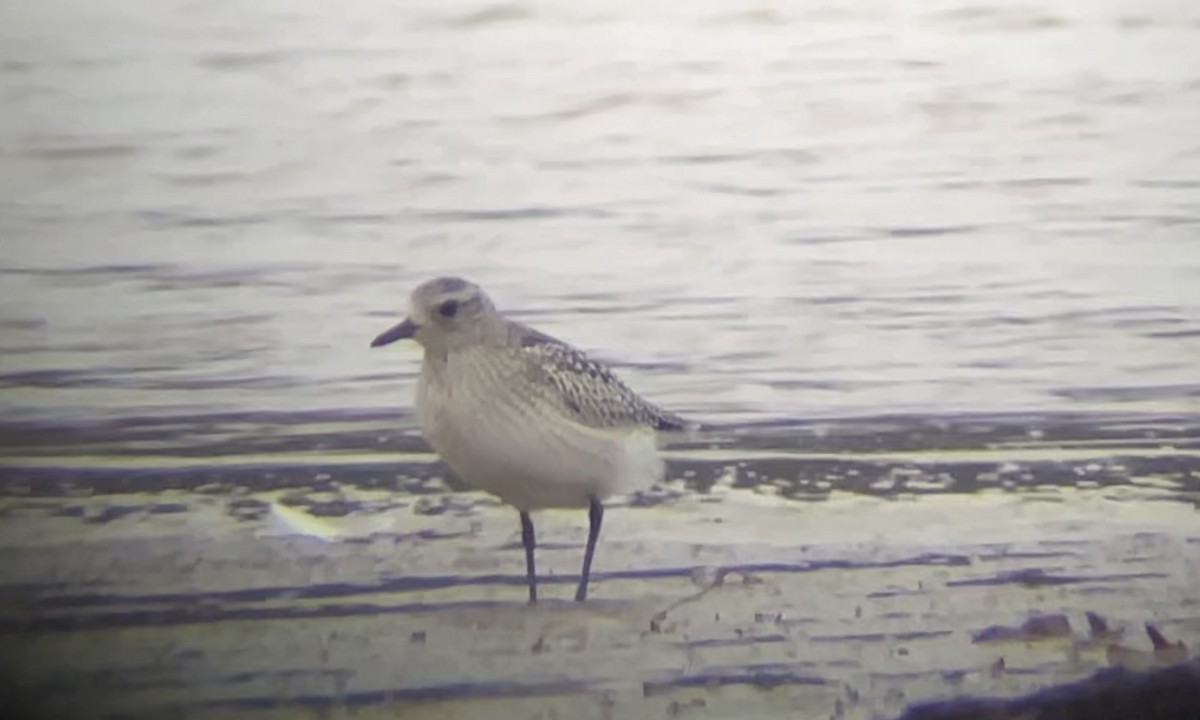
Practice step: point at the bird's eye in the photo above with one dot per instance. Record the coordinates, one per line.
(449, 308)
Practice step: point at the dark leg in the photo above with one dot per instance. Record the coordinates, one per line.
(528, 540)
(595, 515)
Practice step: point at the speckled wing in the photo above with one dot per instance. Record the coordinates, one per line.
(590, 392)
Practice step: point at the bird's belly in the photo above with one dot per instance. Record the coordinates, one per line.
(533, 459)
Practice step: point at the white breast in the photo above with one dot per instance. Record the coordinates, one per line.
(508, 439)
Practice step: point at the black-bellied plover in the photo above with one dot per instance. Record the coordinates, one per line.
(524, 416)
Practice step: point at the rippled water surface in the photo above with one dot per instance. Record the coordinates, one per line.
(930, 269)
(756, 211)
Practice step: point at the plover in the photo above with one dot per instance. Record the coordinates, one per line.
(525, 416)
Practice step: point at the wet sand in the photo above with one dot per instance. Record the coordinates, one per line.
(723, 593)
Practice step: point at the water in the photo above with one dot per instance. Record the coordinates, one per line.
(755, 213)
(932, 268)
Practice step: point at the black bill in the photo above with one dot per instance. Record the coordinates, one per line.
(400, 332)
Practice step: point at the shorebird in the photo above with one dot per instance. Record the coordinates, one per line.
(525, 416)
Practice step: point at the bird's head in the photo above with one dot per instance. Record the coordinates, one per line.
(444, 313)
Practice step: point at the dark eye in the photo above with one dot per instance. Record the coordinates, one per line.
(449, 308)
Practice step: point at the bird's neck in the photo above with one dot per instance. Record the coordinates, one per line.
(497, 332)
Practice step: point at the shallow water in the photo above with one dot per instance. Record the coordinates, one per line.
(929, 272)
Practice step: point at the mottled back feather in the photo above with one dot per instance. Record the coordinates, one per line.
(591, 393)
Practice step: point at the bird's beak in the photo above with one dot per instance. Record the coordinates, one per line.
(404, 330)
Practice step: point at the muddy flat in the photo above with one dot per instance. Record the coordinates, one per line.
(760, 580)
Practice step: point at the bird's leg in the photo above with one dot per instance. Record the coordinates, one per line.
(595, 516)
(527, 539)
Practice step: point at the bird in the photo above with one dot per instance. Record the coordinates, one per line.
(525, 416)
